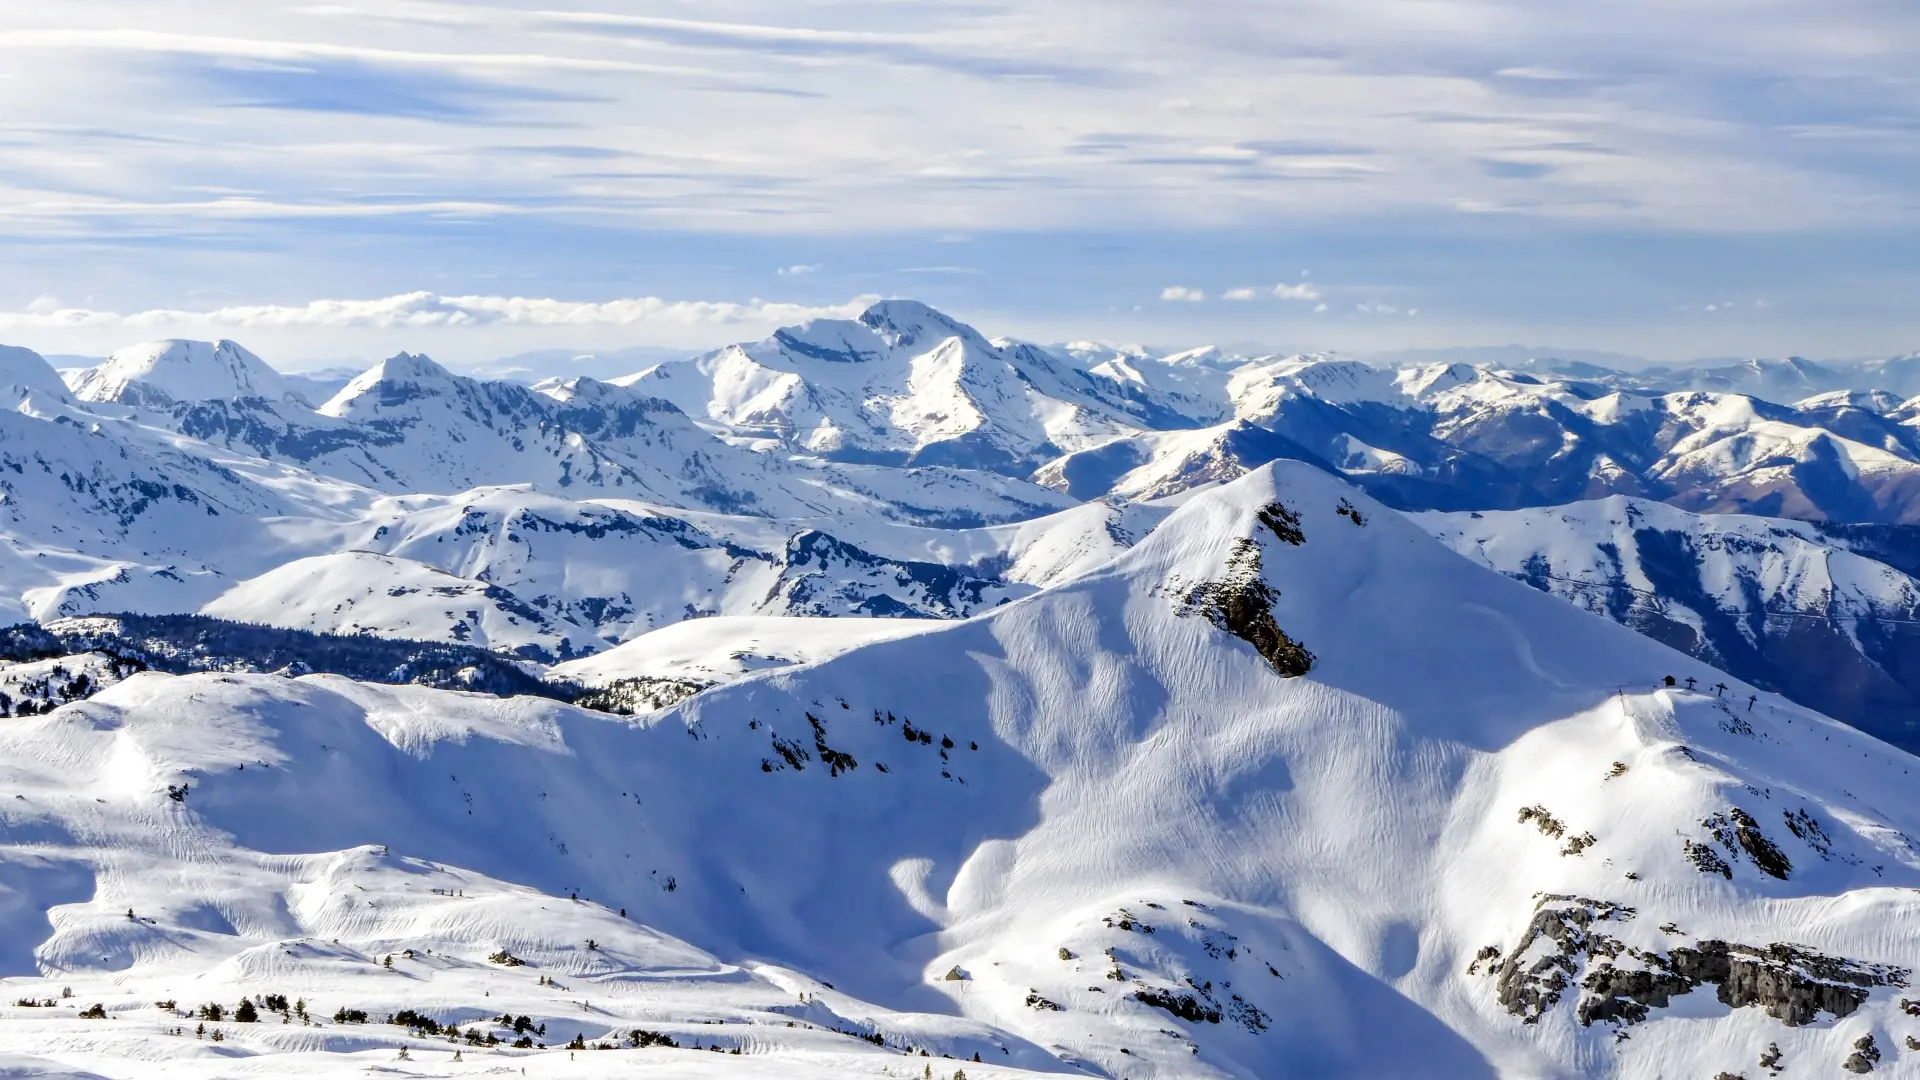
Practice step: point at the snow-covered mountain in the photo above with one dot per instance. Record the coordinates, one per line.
(409, 425)
(544, 577)
(1286, 787)
(905, 384)
(1785, 605)
(1783, 379)
(1455, 437)
(409, 472)
(159, 373)
(774, 478)
(1778, 379)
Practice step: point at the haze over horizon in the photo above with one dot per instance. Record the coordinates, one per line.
(476, 180)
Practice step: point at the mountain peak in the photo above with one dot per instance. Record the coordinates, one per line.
(159, 373)
(907, 323)
(402, 374)
(407, 367)
(25, 371)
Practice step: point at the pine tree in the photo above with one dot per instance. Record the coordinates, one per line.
(246, 1013)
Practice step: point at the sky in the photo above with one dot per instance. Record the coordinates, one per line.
(331, 182)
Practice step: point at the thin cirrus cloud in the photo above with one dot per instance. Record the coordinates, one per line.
(417, 310)
(935, 51)
(357, 88)
(321, 146)
(1257, 107)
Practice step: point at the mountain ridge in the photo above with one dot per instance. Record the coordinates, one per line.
(1111, 837)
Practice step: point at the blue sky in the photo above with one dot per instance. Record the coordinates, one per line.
(320, 181)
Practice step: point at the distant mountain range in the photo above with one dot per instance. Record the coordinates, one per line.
(905, 464)
(882, 699)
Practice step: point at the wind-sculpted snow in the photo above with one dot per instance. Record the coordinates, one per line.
(1080, 832)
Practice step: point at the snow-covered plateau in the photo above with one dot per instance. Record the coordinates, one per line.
(882, 699)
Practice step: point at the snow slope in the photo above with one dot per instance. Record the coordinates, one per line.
(1094, 831)
(1780, 603)
(727, 647)
(24, 373)
(365, 592)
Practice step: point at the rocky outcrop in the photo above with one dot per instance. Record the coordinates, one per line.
(1864, 1057)
(1543, 966)
(1793, 985)
(1790, 983)
(1739, 833)
(1241, 602)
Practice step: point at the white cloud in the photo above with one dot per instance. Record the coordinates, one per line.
(801, 269)
(424, 309)
(1181, 292)
(1319, 308)
(1282, 291)
(1371, 307)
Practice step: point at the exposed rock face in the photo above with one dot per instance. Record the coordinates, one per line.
(1738, 832)
(1706, 860)
(1791, 984)
(1545, 962)
(1241, 602)
(1865, 1055)
(1187, 1007)
(1284, 522)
